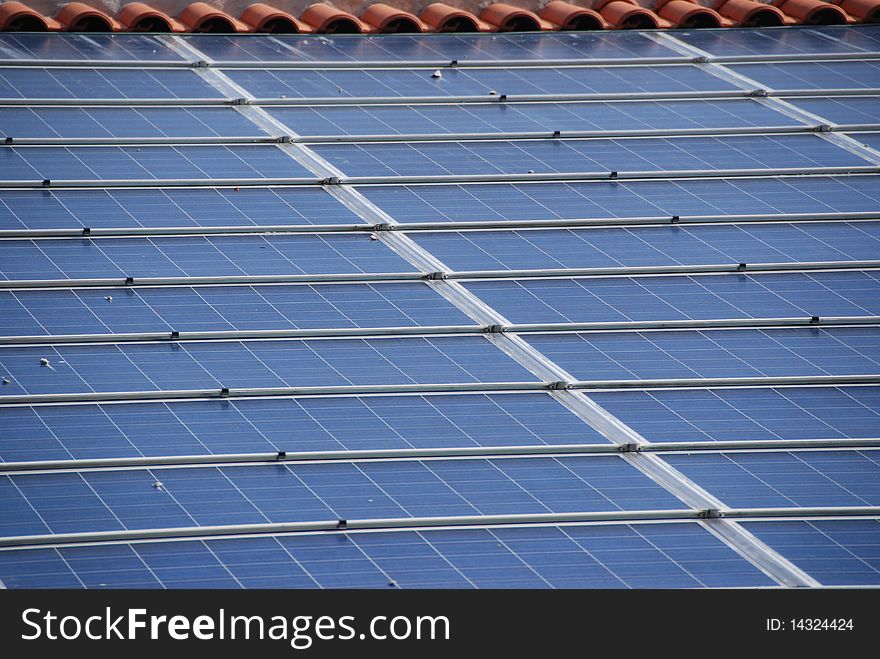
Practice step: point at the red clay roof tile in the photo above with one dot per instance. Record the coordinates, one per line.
(441, 17)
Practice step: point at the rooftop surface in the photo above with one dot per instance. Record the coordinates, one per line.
(571, 309)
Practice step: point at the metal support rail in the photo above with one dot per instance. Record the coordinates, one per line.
(482, 387)
(524, 177)
(598, 97)
(472, 452)
(208, 140)
(445, 330)
(573, 223)
(549, 273)
(440, 63)
(414, 523)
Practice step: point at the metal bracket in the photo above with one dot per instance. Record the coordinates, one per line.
(710, 513)
(436, 276)
(495, 329)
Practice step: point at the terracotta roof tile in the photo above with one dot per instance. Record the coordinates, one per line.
(409, 16)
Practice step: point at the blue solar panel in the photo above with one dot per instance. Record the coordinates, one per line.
(64, 122)
(171, 207)
(782, 480)
(814, 75)
(772, 295)
(681, 555)
(132, 388)
(748, 414)
(399, 82)
(289, 424)
(134, 47)
(433, 47)
(331, 362)
(147, 162)
(660, 245)
(435, 119)
(218, 308)
(197, 256)
(531, 201)
(807, 41)
(544, 156)
(835, 552)
(714, 354)
(209, 496)
(82, 83)
(842, 109)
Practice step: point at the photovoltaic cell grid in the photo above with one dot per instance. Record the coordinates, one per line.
(563, 554)
(576, 156)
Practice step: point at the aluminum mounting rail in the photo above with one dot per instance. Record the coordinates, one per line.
(607, 175)
(206, 140)
(731, 131)
(577, 223)
(726, 131)
(438, 63)
(524, 177)
(503, 97)
(475, 452)
(342, 525)
(274, 392)
(713, 383)
(226, 393)
(46, 184)
(594, 97)
(443, 330)
(549, 273)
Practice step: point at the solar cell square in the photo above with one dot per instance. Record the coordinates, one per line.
(705, 415)
(713, 354)
(399, 47)
(586, 156)
(418, 83)
(197, 256)
(289, 424)
(861, 74)
(158, 163)
(225, 308)
(171, 207)
(682, 555)
(658, 245)
(436, 119)
(133, 47)
(118, 122)
(574, 200)
(694, 297)
(130, 499)
(784, 480)
(835, 552)
(97, 83)
(234, 364)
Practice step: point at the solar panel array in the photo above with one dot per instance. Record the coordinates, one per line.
(533, 310)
